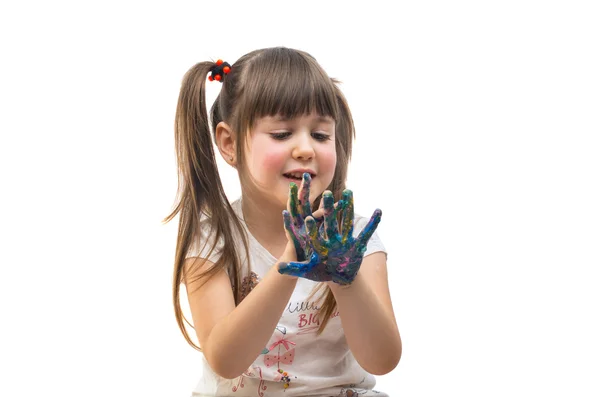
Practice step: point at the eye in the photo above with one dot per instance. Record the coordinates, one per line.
(280, 136)
(321, 137)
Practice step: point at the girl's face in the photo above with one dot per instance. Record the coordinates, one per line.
(280, 150)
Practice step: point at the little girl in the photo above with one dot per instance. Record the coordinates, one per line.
(282, 305)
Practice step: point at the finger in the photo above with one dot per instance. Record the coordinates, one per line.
(311, 227)
(305, 195)
(294, 235)
(297, 269)
(293, 205)
(368, 231)
(331, 227)
(347, 215)
(338, 208)
(318, 214)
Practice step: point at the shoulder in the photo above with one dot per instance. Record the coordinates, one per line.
(374, 244)
(205, 244)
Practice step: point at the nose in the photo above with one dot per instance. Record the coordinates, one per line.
(303, 148)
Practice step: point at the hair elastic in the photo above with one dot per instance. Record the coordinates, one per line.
(219, 70)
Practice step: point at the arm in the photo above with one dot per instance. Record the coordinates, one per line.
(367, 316)
(361, 292)
(232, 337)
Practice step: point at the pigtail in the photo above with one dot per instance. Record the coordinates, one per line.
(200, 192)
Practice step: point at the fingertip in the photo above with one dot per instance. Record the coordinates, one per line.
(284, 266)
(328, 201)
(287, 218)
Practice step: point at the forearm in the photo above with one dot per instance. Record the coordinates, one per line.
(370, 329)
(236, 340)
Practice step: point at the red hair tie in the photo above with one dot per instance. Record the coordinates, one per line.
(219, 70)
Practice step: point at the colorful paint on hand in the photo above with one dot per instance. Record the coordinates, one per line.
(299, 208)
(328, 254)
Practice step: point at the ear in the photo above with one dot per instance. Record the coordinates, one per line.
(226, 142)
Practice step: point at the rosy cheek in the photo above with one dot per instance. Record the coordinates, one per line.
(273, 160)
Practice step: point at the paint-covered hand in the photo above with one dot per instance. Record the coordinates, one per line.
(333, 256)
(299, 208)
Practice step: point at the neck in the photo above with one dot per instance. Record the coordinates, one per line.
(265, 223)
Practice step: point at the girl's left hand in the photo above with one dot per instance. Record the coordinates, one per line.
(333, 256)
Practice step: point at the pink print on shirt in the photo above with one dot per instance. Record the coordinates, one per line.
(308, 323)
(278, 358)
(286, 358)
(252, 373)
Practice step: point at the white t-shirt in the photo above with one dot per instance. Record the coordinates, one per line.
(295, 362)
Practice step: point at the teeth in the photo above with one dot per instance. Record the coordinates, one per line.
(297, 175)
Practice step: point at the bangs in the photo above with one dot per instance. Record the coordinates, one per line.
(289, 84)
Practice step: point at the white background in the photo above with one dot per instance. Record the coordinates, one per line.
(477, 129)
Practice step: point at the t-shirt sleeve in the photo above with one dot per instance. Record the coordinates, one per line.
(374, 244)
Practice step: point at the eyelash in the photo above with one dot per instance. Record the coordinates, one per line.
(280, 136)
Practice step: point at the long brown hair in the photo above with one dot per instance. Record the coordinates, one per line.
(266, 82)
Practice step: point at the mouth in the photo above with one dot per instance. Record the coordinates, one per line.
(297, 177)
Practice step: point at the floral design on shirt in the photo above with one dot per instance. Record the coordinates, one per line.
(248, 284)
